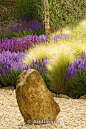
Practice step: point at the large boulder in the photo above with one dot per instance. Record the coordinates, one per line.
(35, 101)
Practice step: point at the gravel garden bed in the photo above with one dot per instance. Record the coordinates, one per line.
(72, 115)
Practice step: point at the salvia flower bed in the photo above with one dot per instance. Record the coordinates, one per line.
(24, 43)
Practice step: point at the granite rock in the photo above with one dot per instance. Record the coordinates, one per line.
(35, 101)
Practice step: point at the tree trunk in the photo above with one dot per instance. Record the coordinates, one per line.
(47, 27)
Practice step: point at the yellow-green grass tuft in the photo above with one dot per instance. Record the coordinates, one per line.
(60, 53)
(57, 68)
(80, 30)
(40, 51)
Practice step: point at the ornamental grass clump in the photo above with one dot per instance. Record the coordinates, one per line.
(57, 68)
(39, 51)
(77, 46)
(80, 30)
(76, 76)
(42, 49)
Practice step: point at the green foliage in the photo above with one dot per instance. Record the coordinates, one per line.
(30, 8)
(41, 10)
(64, 12)
(77, 86)
(46, 79)
(11, 79)
(6, 29)
(11, 34)
(5, 13)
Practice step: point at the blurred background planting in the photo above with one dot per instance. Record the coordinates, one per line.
(61, 14)
(62, 62)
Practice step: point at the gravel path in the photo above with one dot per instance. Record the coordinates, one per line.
(72, 115)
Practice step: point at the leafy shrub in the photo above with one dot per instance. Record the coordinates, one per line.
(5, 13)
(30, 8)
(10, 78)
(66, 13)
(77, 46)
(76, 76)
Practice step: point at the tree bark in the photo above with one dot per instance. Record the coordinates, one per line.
(47, 27)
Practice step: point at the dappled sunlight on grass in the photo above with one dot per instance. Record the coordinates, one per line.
(58, 50)
(77, 46)
(76, 38)
(77, 32)
(51, 49)
(80, 30)
(40, 51)
(57, 67)
(60, 53)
